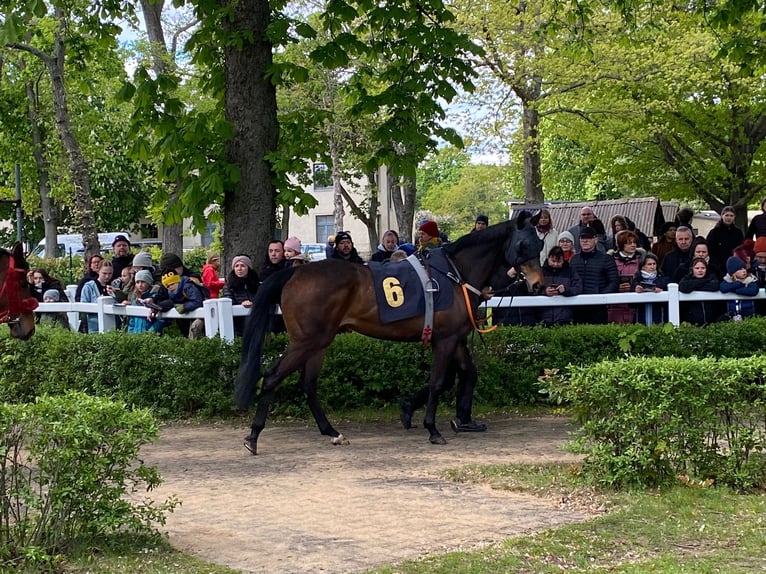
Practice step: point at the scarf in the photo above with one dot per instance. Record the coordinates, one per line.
(543, 229)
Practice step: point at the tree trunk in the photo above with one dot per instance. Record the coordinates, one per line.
(50, 213)
(403, 193)
(533, 186)
(337, 197)
(251, 107)
(83, 202)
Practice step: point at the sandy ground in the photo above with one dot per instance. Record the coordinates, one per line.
(305, 506)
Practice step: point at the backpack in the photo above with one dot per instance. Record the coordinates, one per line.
(201, 286)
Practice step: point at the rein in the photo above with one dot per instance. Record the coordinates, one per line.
(15, 305)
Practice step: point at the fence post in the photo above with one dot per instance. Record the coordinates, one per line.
(225, 319)
(210, 310)
(72, 316)
(674, 305)
(106, 320)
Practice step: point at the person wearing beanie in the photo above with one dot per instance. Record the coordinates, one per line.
(210, 278)
(566, 242)
(170, 261)
(740, 281)
(482, 222)
(292, 247)
(143, 260)
(188, 296)
(122, 258)
(759, 265)
(143, 295)
(56, 318)
(429, 236)
(344, 248)
(724, 237)
(241, 287)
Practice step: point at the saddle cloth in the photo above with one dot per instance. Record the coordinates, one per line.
(399, 291)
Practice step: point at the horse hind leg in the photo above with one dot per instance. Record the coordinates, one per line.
(309, 379)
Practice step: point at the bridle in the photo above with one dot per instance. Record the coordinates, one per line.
(16, 306)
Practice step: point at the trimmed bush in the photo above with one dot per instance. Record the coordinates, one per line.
(648, 421)
(69, 473)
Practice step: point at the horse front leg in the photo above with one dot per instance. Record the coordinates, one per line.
(309, 381)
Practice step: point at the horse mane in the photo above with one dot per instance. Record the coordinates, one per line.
(493, 233)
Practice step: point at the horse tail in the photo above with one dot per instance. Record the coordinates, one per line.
(256, 328)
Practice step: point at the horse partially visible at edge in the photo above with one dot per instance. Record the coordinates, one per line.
(17, 304)
(328, 297)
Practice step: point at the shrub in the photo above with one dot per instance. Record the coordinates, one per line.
(646, 421)
(69, 472)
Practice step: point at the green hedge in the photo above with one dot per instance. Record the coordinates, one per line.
(648, 421)
(177, 377)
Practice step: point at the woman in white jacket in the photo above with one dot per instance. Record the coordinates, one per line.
(546, 232)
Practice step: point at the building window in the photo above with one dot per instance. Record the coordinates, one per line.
(322, 177)
(325, 227)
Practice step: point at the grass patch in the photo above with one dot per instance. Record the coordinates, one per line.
(681, 530)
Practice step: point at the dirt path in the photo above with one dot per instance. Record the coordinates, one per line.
(305, 506)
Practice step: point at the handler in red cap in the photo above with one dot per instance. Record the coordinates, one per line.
(429, 236)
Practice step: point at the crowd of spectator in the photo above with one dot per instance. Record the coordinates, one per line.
(583, 259)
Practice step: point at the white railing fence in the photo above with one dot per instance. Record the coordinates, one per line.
(219, 314)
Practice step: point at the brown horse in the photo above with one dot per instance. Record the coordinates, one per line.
(17, 304)
(322, 299)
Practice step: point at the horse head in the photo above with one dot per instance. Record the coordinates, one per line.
(522, 251)
(17, 304)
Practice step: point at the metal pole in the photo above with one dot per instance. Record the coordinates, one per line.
(18, 202)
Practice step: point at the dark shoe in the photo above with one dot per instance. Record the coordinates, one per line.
(405, 413)
(467, 427)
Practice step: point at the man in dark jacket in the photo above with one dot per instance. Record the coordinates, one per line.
(344, 248)
(678, 260)
(275, 260)
(597, 272)
(757, 227)
(122, 257)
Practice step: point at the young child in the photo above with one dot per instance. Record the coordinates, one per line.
(293, 248)
(740, 281)
(53, 319)
(142, 295)
(186, 296)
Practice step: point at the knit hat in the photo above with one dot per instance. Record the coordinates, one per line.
(566, 235)
(293, 243)
(588, 232)
(143, 259)
(431, 228)
(408, 248)
(341, 235)
(170, 261)
(483, 218)
(145, 275)
(734, 264)
(53, 294)
(121, 238)
(242, 259)
(170, 278)
(760, 245)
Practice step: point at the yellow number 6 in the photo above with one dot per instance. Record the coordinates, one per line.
(394, 292)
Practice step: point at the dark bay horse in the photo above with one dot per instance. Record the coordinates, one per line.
(17, 304)
(322, 299)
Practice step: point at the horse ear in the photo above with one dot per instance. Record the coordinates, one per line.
(524, 216)
(18, 253)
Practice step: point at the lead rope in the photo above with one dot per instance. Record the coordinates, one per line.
(469, 309)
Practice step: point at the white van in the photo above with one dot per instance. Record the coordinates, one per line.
(71, 244)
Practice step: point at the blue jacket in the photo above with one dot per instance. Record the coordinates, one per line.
(748, 287)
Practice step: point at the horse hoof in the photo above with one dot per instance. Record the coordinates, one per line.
(437, 439)
(467, 427)
(405, 413)
(338, 440)
(251, 446)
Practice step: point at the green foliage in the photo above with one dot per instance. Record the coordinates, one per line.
(68, 473)
(647, 420)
